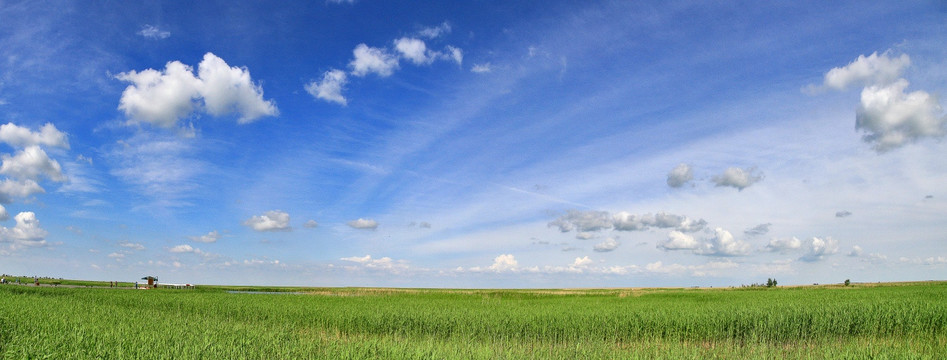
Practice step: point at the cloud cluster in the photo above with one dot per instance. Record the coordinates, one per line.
(818, 248)
(163, 97)
(887, 115)
(722, 243)
(274, 220)
(30, 164)
(383, 62)
(585, 222)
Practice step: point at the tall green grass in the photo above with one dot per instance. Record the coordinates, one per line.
(854, 322)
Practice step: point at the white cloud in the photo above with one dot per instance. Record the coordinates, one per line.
(10, 189)
(153, 32)
(384, 263)
(592, 221)
(713, 268)
(454, 53)
(738, 178)
(161, 98)
(228, 90)
(185, 248)
(18, 136)
(781, 245)
(414, 50)
(30, 163)
(311, 224)
(890, 118)
(274, 220)
(677, 240)
(582, 262)
(360, 223)
(436, 31)
(584, 235)
(4, 215)
(873, 69)
(680, 176)
(210, 237)
(583, 221)
(481, 68)
(504, 262)
(609, 244)
(722, 244)
(817, 249)
(330, 88)
(372, 60)
(26, 232)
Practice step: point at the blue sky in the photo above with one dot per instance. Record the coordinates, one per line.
(474, 144)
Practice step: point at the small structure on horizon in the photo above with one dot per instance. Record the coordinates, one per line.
(152, 281)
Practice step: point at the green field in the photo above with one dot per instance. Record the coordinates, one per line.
(905, 320)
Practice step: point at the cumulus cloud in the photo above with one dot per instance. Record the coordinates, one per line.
(722, 244)
(162, 98)
(843, 213)
(372, 60)
(30, 163)
(310, 224)
(610, 244)
(415, 50)
(680, 176)
(481, 68)
(738, 178)
(10, 189)
(504, 262)
(274, 220)
(26, 232)
(782, 245)
(582, 262)
(153, 32)
(818, 248)
(677, 240)
(210, 237)
(887, 116)
(19, 136)
(229, 90)
(873, 69)
(330, 87)
(367, 224)
(890, 118)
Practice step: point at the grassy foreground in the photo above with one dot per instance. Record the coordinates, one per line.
(885, 321)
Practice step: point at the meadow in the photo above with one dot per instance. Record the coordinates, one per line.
(902, 320)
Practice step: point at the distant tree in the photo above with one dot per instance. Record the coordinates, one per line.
(774, 282)
(848, 282)
(769, 282)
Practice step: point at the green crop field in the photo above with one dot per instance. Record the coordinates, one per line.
(907, 320)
